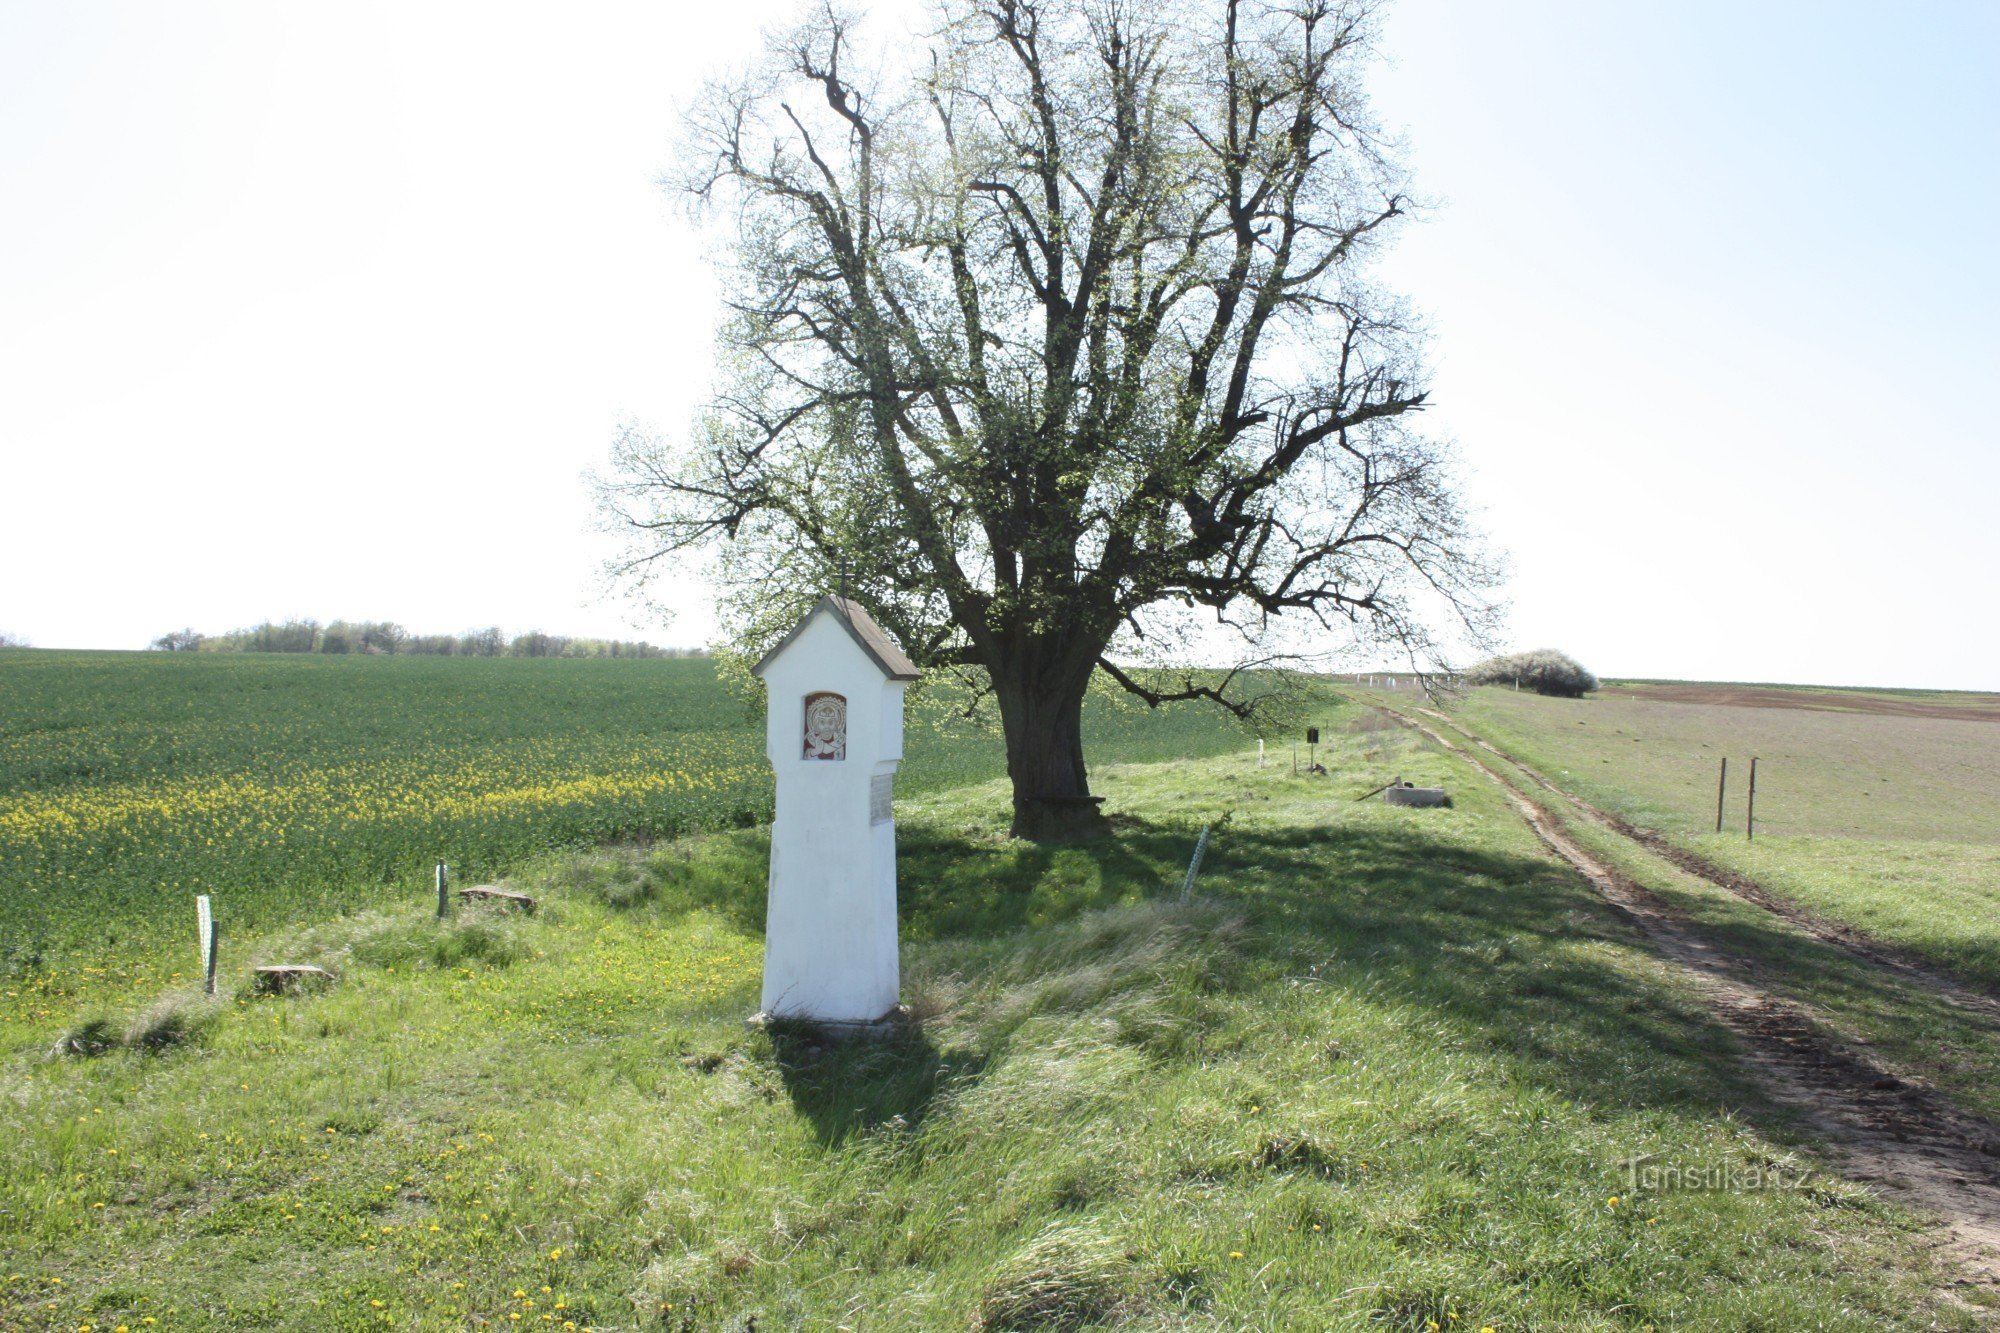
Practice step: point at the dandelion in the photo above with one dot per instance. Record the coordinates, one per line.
(555, 1254)
(1236, 1254)
(1611, 1202)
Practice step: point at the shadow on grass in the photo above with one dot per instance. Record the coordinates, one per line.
(1514, 953)
(865, 1084)
(1512, 949)
(1511, 956)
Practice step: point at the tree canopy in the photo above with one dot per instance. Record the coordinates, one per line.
(1058, 334)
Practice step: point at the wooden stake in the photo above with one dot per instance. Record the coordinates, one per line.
(1721, 782)
(444, 895)
(1750, 822)
(205, 919)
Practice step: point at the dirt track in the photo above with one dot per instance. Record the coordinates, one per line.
(1977, 708)
(1900, 1137)
(1859, 943)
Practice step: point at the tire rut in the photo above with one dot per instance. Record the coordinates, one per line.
(1898, 1136)
(1856, 942)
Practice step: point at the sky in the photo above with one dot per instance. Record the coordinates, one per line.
(328, 310)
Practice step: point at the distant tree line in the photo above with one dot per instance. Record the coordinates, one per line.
(386, 637)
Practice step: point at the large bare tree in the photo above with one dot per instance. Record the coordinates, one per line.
(1054, 328)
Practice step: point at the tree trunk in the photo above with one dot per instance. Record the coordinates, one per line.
(1043, 722)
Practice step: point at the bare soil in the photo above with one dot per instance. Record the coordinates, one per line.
(1895, 1134)
(1974, 708)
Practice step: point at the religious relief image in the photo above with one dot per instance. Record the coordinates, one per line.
(826, 726)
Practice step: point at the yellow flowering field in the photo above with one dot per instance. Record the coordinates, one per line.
(295, 788)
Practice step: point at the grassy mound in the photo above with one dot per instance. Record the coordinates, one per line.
(1384, 1070)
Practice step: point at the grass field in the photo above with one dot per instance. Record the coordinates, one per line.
(293, 788)
(1927, 1033)
(1886, 821)
(1381, 1072)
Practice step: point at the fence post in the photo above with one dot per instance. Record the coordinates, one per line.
(1750, 821)
(1721, 782)
(444, 892)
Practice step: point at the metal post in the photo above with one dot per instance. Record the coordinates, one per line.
(205, 919)
(1721, 782)
(1194, 863)
(444, 892)
(1750, 822)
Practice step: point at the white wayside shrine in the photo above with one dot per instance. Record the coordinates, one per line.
(834, 733)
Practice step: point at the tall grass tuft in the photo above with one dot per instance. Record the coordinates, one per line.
(175, 1019)
(93, 1036)
(1067, 1277)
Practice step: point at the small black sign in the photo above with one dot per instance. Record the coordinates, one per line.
(1312, 735)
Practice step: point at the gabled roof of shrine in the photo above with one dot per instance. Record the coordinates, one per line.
(870, 637)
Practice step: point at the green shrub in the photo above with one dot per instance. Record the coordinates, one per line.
(1545, 671)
